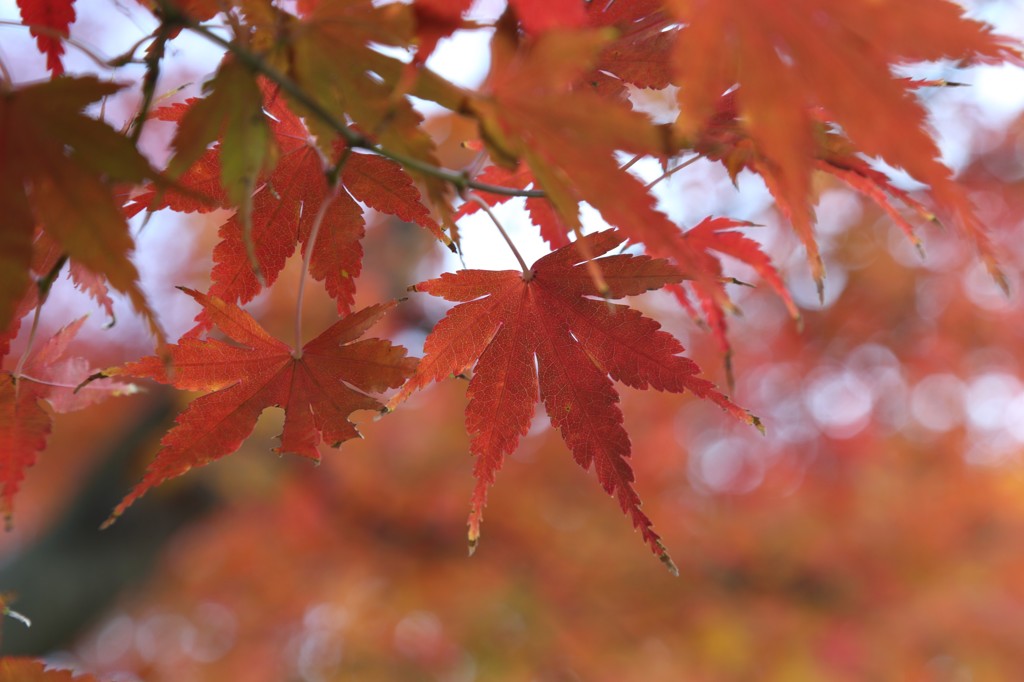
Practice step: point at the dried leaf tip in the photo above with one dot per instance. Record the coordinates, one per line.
(997, 275)
(21, 618)
(755, 421)
(91, 378)
(667, 560)
(473, 538)
(110, 520)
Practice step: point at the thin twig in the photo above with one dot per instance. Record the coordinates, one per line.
(629, 164)
(7, 80)
(44, 284)
(124, 388)
(475, 198)
(156, 53)
(460, 180)
(128, 56)
(334, 185)
(51, 32)
(671, 171)
(30, 343)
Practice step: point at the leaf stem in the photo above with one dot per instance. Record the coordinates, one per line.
(156, 54)
(31, 341)
(8, 82)
(475, 198)
(629, 164)
(332, 176)
(460, 180)
(51, 32)
(672, 171)
(44, 284)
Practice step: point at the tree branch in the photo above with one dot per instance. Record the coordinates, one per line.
(459, 179)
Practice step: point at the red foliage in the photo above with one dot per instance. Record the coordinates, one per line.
(310, 129)
(318, 386)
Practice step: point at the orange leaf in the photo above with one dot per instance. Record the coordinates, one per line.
(58, 169)
(47, 375)
(285, 205)
(14, 669)
(545, 334)
(318, 387)
(787, 58)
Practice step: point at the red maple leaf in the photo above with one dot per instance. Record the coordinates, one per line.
(713, 236)
(45, 376)
(52, 14)
(569, 137)
(318, 387)
(538, 16)
(59, 170)
(435, 20)
(544, 332)
(285, 206)
(542, 212)
(782, 63)
(639, 53)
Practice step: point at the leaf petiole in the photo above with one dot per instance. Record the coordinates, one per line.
(333, 175)
(354, 139)
(672, 171)
(527, 272)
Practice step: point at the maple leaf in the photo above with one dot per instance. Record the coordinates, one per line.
(46, 254)
(57, 167)
(787, 58)
(18, 669)
(285, 205)
(318, 387)
(52, 14)
(541, 211)
(45, 376)
(542, 334)
(568, 138)
(333, 54)
(716, 236)
(232, 111)
(639, 54)
(435, 20)
(538, 16)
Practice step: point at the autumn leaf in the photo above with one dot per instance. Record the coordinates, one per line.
(232, 112)
(332, 55)
(318, 387)
(285, 205)
(46, 376)
(56, 15)
(538, 16)
(435, 20)
(568, 138)
(542, 212)
(57, 169)
(545, 333)
(787, 59)
(46, 254)
(708, 241)
(16, 669)
(639, 53)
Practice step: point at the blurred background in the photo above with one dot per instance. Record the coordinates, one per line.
(876, 531)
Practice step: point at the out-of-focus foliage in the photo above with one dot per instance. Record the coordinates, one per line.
(875, 532)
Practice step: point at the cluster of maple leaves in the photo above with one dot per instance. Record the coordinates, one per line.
(307, 123)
